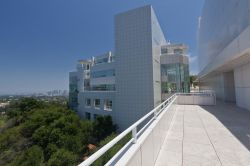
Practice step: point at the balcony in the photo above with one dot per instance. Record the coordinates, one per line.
(207, 135)
(197, 133)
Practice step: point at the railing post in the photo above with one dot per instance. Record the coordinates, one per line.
(134, 135)
(214, 99)
(155, 114)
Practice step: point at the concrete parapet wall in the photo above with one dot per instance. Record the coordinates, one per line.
(196, 99)
(147, 148)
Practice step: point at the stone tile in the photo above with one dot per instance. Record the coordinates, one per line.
(224, 142)
(228, 158)
(212, 136)
(173, 146)
(219, 131)
(177, 127)
(200, 150)
(193, 124)
(196, 138)
(192, 160)
(243, 157)
(167, 158)
(192, 130)
(176, 136)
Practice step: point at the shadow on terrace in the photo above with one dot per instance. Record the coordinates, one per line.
(235, 119)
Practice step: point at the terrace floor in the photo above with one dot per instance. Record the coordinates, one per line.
(207, 136)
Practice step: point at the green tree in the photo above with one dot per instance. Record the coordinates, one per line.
(41, 136)
(49, 150)
(32, 156)
(20, 110)
(62, 157)
(87, 131)
(193, 78)
(28, 104)
(111, 152)
(55, 134)
(24, 105)
(102, 127)
(8, 138)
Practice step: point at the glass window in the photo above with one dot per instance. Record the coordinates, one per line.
(103, 87)
(103, 73)
(100, 60)
(178, 51)
(172, 75)
(86, 82)
(73, 87)
(87, 67)
(108, 105)
(88, 102)
(95, 116)
(164, 50)
(87, 115)
(177, 78)
(97, 103)
(112, 58)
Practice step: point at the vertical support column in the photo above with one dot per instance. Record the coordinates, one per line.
(155, 114)
(134, 135)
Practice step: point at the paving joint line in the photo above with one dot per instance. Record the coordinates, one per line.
(166, 137)
(182, 136)
(208, 136)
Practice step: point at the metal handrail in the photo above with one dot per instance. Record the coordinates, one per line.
(133, 128)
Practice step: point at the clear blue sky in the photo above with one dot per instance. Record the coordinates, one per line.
(41, 40)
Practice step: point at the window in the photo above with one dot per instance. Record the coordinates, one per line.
(112, 58)
(164, 50)
(108, 105)
(86, 83)
(103, 87)
(87, 67)
(88, 102)
(72, 87)
(87, 115)
(103, 73)
(97, 103)
(100, 60)
(178, 51)
(95, 116)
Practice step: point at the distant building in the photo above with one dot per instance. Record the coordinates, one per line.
(79, 81)
(3, 105)
(127, 84)
(97, 96)
(174, 69)
(224, 50)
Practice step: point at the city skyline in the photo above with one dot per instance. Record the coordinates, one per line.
(37, 55)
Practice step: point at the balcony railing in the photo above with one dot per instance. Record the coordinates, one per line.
(133, 128)
(145, 125)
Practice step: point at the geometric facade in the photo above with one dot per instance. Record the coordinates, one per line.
(127, 84)
(224, 50)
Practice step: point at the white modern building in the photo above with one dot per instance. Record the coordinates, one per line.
(138, 40)
(174, 69)
(187, 128)
(127, 84)
(224, 50)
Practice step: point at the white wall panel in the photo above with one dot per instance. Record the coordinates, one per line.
(242, 84)
(138, 89)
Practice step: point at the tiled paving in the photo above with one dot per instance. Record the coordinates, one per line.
(207, 136)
